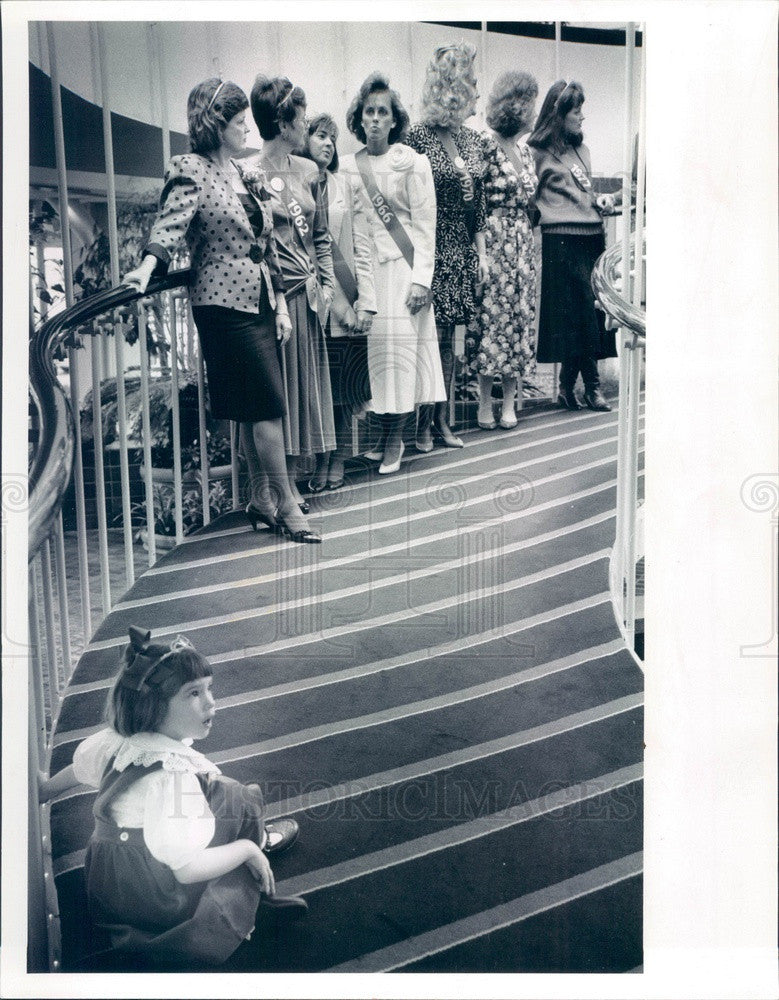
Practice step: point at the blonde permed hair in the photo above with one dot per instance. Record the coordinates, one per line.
(449, 94)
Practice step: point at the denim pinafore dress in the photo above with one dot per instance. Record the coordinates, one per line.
(137, 899)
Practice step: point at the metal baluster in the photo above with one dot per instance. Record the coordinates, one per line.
(37, 930)
(175, 413)
(37, 693)
(146, 425)
(62, 594)
(234, 484)
(48, 618)
(97, 440)
(558, 45)
(123, 315)
(67, 261)
(631, 491)
(201, 414)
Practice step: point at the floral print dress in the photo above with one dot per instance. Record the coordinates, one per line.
(501, 340)
(456, 260)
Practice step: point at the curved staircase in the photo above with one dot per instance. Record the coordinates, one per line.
(439, 693)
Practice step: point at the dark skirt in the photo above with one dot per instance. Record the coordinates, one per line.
(138, 902)
(308, 425)
(242, 362)
(569, 325)
(349, 379)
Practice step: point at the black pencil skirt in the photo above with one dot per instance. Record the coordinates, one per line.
(241, 354)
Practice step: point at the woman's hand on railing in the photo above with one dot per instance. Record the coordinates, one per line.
(141, 276)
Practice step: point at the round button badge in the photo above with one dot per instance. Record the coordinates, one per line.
(277, 183)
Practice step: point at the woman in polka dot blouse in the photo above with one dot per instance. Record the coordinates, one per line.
(303, 242)
(236, 290)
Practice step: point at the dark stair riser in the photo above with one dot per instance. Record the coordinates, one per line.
(429, 892)
(451, 670)
(601, 932)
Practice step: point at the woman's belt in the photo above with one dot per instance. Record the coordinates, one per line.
(314, 294)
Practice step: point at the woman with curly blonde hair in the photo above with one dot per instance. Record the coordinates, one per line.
(500, 340)
(455, 155)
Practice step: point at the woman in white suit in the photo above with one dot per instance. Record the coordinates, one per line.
(395, 186)
(354, 300)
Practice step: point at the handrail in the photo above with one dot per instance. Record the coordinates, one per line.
(52, 462)
(630, 318)
(607, 278)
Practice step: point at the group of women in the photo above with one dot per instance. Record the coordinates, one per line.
(322, 288)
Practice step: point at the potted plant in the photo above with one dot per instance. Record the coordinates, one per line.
(164, 512)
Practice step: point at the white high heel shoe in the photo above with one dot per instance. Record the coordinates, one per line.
(385, 469)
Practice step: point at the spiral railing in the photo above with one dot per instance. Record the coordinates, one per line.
(620, 296)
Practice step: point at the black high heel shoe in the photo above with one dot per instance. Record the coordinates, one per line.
(256, 515)
(305, 507)
(302, 535)
(567, 399)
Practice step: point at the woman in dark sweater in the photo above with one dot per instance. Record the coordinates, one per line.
(571, 331)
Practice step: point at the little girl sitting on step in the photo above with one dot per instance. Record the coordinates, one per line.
(175, 869)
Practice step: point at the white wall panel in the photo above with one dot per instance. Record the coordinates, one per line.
(329, 59)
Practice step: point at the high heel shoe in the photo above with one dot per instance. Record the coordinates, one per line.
(595, 399)
(256, 515)
(386, 468)
(448, 440)
(314, 488)
(303, 535)
(305, 507)
(567, 399)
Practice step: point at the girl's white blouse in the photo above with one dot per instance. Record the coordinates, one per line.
(168, 803)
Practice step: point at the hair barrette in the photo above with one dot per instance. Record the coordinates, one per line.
(214, 95)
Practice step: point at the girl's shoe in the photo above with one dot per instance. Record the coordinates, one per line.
(386, 468)
(283, 907)
(298, 535)
(280, 834)
(256, 515)
(567, 399)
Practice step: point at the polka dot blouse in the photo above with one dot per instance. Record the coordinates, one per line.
(229, 259)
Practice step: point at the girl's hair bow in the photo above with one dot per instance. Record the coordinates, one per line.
(147, 656)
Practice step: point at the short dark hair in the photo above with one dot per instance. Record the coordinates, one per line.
(510, 102)
(131, 711)
(374, 84)
(211, 105)
(326, 122)
(274, 101)
(561, 98)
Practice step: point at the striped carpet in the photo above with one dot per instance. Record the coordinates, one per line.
(439, 694)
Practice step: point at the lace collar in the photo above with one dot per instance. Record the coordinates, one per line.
(146, 749)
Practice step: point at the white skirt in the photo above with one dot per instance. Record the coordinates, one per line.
(404, 361)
